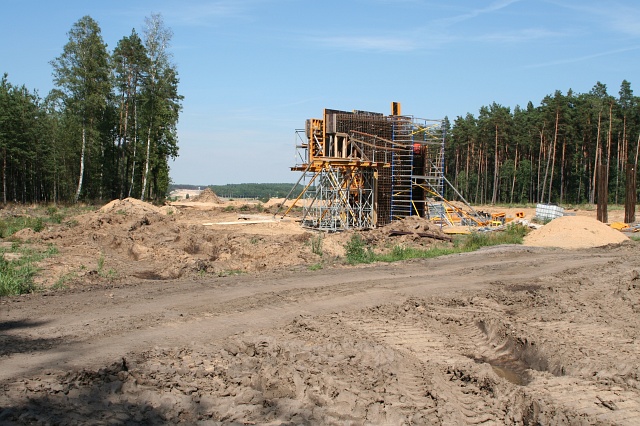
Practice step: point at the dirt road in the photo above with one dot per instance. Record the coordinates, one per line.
(510, 335)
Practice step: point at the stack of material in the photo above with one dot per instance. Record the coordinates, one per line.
(548, 211)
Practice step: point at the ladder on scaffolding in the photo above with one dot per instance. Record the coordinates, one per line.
(402, 168)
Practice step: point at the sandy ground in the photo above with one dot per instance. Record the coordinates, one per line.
(177, 334)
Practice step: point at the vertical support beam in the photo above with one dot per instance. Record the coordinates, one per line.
(630, 195)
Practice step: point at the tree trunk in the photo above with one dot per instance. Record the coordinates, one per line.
(82, 154)
(553, 154)
(146, 165)
(635, 162)
(609, 142)
(562, 165)
(630, 198)
(4, 176)
(546, 173)
(466, 184)
(592, 196)
(494, 196)
(603, 195)
(135, 146)
(515, 169)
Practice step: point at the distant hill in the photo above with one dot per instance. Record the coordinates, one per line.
(247, 190)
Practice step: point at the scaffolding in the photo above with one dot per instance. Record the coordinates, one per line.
(364, 169)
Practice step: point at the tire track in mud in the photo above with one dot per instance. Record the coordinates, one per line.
(563, 398)
(460, 393)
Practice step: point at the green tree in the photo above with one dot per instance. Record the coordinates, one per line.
(81, 73)
(130, 63)
(162, 105)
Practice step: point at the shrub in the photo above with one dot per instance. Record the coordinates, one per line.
(358, 251)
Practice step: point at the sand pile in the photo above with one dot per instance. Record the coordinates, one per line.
(128, 206)
(574, 232)
(207, 196)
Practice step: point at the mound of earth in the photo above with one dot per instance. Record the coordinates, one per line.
(130, 238)
(207, 196)
(574, 232)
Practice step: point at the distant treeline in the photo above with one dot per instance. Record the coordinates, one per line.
(248, 190)
(547, 153)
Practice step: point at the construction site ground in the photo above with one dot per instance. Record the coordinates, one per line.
(209, 312)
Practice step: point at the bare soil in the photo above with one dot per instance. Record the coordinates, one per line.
(209, 313)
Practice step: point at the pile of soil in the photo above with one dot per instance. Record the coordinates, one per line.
(574, 232)
(207, 196)
(130, 238)
(411, 231)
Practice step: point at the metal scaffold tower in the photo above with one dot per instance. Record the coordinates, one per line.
(364, 169)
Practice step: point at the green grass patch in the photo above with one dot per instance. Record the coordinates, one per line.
(315, 267)
(39, 217)
(358, 251)
(16, 275)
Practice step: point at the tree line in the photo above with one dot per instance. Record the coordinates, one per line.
(262, 191)
(547, 153)
(107, 129)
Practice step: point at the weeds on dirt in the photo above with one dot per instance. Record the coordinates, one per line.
(316, 244)
(399, 253)
(11, 225)
(230, 272)
(110, 274)
(315, 267)
(38, 218)
(16, 275)
(61, 283)
(512, 234)
(358, 251)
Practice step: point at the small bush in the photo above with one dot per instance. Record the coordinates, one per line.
(358, 251)
(37, 225)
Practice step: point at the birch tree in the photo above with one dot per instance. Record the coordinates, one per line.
(82, 74)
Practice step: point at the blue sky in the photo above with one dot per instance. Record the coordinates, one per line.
(252, 71)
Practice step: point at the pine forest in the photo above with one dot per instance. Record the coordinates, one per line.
(549, 153)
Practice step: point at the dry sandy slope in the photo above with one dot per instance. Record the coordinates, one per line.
(506, 335)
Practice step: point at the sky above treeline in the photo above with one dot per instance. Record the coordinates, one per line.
(252, 71)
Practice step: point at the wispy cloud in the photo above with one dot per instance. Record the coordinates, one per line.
(582, 58)
(493, 7)
(208, 13)
(612, 16)
(367, 43)
(520, 36)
